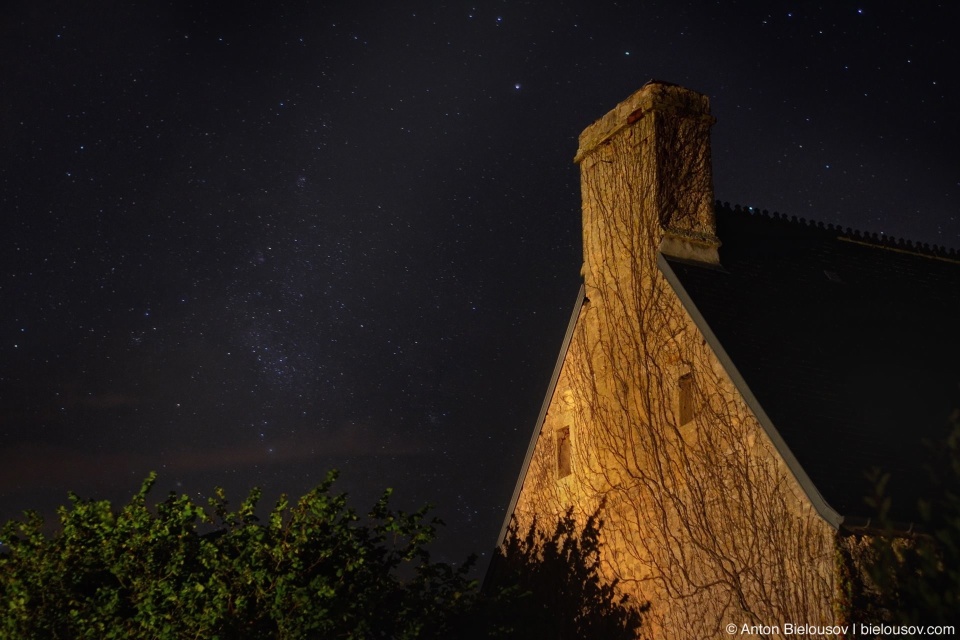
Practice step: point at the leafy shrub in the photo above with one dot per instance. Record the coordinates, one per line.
(313, 570)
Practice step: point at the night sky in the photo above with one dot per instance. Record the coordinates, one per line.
(244, 244)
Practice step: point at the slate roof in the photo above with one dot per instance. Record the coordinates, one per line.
(849, 342)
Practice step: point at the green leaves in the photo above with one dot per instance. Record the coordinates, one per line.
(315, 569)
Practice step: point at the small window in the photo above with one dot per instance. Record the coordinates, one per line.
(685, 398)
(563, 452)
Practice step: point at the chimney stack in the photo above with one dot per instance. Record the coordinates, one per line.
(647, 184)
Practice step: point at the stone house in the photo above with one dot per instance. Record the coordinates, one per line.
(727, 378)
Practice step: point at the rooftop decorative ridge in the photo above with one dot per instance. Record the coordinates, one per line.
(847, 233)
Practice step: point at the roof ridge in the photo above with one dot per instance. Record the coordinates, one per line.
(880, 240)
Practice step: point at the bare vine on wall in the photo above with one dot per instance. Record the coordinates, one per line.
(703, 519)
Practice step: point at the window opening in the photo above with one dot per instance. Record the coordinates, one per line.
(563, 452)
(685, 398)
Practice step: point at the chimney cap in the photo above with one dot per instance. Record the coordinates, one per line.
(654, 96)
(655, 81)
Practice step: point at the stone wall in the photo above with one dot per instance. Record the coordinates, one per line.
(702, 517)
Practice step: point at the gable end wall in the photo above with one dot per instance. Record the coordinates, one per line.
(705, 520)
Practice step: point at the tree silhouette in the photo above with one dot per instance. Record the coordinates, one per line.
(549, 585)
(914, 577)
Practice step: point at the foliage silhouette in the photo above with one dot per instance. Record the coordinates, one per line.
(550, 585)
(916, 578)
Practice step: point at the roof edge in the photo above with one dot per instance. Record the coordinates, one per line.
(858, 236)
(828, 513)
(538, 426)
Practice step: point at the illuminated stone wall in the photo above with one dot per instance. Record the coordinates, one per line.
(702, 517)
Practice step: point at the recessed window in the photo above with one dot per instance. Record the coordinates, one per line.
(563, 452)
(685, 389)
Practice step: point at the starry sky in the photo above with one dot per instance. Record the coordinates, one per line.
(242, 244)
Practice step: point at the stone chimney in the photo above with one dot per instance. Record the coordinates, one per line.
(647, 184)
